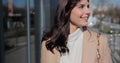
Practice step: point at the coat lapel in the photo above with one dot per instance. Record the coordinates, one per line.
(89, 47)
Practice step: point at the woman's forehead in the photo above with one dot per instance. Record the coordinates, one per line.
(83, 2)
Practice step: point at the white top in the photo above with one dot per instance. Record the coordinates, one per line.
(75, 42)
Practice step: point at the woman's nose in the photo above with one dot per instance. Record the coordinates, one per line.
(87, 11)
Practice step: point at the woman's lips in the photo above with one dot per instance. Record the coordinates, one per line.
(85, 18)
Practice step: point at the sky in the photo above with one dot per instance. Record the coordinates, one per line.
(116, 2)
(21, 3)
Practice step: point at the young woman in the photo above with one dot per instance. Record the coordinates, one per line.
(69, 40)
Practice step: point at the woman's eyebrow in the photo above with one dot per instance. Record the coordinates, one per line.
(83, 4)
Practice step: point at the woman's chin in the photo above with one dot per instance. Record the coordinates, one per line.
(84, 24)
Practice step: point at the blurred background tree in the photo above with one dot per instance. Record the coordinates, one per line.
(107, 14)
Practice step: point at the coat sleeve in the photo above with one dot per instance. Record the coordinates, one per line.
(106, 53)
(46, 55)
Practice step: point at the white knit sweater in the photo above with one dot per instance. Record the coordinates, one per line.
(75, 42)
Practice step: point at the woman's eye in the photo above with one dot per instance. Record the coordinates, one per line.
(88, 6)
(81, 6)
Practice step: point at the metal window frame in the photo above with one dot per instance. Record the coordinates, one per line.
(37, 30)
(28, 31)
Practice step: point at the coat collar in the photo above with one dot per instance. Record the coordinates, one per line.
(89, 47)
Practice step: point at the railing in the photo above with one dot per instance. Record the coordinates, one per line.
(114, 43)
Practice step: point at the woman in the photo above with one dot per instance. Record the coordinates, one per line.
(69, 40)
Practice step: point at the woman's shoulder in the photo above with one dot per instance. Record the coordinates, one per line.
(94, 33)
(43, 43)
(99, 36)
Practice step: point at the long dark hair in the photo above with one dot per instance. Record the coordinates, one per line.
(57, 37)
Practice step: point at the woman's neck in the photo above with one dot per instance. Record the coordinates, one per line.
(73, 28)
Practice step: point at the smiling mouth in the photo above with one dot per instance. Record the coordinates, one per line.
(86, 19)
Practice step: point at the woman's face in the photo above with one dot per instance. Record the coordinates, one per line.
(80, 14)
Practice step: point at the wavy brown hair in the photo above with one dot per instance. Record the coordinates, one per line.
(56, 38)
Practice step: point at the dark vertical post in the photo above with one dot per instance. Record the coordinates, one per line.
(42, 22)
(37, 30)
(28, 32)
(53, 7)
(2, 53)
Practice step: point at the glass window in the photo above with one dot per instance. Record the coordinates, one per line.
(15, 31)
(105, 19)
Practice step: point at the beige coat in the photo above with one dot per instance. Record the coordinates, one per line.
(89, 54)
